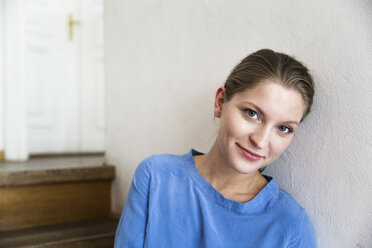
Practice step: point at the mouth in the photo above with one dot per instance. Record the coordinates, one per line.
(251, 156)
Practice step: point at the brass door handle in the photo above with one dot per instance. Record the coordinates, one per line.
(71, 24)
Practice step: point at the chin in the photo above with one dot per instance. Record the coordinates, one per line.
(245, 167)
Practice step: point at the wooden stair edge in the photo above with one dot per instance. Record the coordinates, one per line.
(2, 155)
(115, 216)
(51, 204)
(60, 175)
(61, 235)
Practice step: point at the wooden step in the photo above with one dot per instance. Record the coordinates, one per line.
(92, 234)
(49, 192)
(54, 170)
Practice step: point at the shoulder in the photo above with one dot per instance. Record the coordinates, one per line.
(155, 168)
(161, 163)
(288, 206)
(295, 220)
(288, 209)
(280, 202)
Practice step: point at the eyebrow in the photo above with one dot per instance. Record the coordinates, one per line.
(263, 113)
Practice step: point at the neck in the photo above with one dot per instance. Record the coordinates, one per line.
(230, 183)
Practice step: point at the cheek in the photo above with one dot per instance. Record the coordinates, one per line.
(279, 145)
(235, 127)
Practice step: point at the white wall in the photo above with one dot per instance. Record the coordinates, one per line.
(165, 59)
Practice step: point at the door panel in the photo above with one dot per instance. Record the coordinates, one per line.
(64, 77)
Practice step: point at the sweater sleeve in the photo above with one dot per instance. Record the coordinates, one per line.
(305, 237)
(132, 225)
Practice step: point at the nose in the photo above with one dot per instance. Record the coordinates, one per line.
(260, 137)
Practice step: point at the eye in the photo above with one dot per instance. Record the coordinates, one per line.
(285, 129)
(251, 113)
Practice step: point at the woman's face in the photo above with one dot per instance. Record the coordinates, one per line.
(257, 125)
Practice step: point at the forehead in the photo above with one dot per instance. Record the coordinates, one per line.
(274, 100)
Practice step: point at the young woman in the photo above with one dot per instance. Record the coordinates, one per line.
(221, 199)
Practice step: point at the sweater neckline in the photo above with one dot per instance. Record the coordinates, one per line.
(259, 203)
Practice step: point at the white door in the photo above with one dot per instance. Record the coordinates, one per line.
(64, 76)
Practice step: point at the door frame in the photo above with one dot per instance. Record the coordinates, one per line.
(15, 126)
(2, 133)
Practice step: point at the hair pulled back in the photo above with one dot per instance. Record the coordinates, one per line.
(266, 64)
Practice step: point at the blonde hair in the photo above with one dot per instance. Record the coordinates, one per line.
(266, 64)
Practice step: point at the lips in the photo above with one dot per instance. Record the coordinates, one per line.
(248, 154)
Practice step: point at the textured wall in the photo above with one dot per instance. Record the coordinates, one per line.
(165, 59)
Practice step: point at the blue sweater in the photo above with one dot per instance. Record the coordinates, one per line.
(170, 204)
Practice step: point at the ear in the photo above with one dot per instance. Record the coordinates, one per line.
(219, 101)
